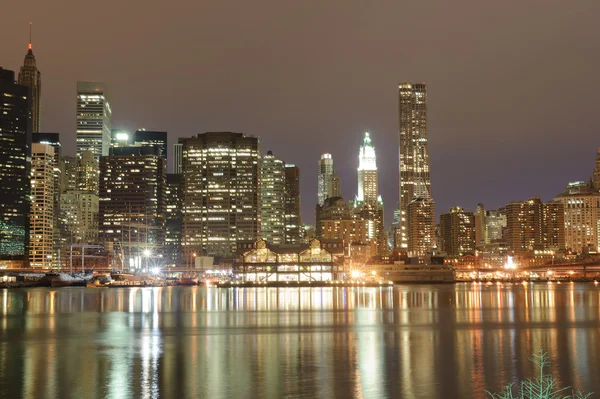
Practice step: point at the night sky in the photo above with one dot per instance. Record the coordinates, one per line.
(513, 85)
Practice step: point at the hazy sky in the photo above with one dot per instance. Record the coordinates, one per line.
(513, 85)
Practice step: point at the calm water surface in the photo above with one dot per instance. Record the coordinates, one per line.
(450, 341)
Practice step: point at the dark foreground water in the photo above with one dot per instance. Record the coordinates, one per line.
(450, 341)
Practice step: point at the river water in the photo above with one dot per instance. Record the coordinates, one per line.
(414, 341)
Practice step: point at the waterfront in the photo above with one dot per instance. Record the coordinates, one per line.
(416, 341)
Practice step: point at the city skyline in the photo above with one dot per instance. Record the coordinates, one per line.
(510, 167)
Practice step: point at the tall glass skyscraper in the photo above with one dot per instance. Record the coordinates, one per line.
(15, 162)
(415, 181)
(93, 119)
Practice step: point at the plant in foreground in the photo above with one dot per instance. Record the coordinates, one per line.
(542, 387)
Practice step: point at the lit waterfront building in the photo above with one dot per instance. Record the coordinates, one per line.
(15, 153)
(534, 225)
(131, 212)
(581, 204)
(458, 232)
(328, 183)
(293, 220)
(273, 199)
(173, 199)
(41, 216)
(93, 119)
(53, 139)
(221, 200)
(415, 180)
(30, 76)
(319, 260)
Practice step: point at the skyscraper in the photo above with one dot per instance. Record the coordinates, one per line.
(15, 153)
(30, 76)
(368, 189)
(93, 119)
(131, 211)
(178, 158)
(221, 200)
(272, 199)
(53, 139)
(147, 137)
(328, 183)
(173, 199)
(87, 172)
(41, 243)
(415, 182)
(293, 220)
(596, 175)
(480, 231)
(458, 232)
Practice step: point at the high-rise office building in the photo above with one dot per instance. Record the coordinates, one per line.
(534, 225)
(273, 199)
(178, 158)
(328, 183)
(68, 173)
(368, 189)
(173, 204)
(93, 119)
(415, 181)
(41, 217)
(480, 231)
(582, 217)
(53, 139)
(30, 76)
(458, 232)
(294, 231)
(119, 138)
(15, 153)
(495, 224)
(221, 204)
(131, 211)
(596, 174)
(421, 233)
(78, 217)
(87, 172)
(147, 137)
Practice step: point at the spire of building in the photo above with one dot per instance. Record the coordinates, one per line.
(30, 76)
(368, 189)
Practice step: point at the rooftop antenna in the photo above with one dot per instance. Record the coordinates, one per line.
(29, 35)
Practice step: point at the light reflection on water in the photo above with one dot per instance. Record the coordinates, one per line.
(193, 342)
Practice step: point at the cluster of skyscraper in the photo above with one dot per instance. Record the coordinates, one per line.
(116, 193)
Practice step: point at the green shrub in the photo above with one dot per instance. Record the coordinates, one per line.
(542, 387)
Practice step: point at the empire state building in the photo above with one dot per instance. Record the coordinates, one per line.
(30, 76)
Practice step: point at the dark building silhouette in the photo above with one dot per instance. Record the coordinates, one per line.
(30, 76)
(293, 220)
(15, 152)
(147, 137)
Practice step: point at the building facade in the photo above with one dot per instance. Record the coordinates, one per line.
(421, 223)
(152, 138)
(41, 218)
(93, 119)
(30, 76)
(495, 224)
(458, 232)
(178, 158)
(221, 200)
(415, 180)
(273, 199)
(131, 213)
(294, 232)
(15, 153)
(581, 205)
(534, 225)
(173, 198)
(328, 183)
